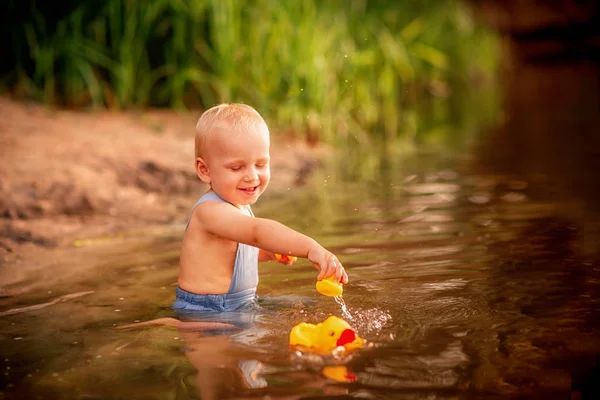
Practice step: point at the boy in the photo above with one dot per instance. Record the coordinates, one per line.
(223, 242)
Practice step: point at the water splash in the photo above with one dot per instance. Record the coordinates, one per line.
(371, 322)
(345, 312)
(368, 322)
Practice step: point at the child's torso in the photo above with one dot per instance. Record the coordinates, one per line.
(213, 265)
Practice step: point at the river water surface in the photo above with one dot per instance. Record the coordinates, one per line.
(465, 286)
(468, 280)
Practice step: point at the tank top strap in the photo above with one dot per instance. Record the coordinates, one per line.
(206, 197)
(245, 269)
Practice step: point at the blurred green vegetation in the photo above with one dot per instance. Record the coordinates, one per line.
(326, 70)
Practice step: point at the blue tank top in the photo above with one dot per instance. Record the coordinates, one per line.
(245, 268)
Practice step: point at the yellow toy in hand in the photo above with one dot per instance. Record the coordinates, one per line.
(339, 373)
(283, 257)
(329, 287)
(325, 336)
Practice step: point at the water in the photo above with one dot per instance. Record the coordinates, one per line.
(345, 313)
(465, 286)
(474, 273)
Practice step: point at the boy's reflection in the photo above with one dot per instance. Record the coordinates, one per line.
(220, 371)
(222, 368)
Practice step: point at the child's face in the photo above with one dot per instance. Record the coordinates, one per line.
(238, 164)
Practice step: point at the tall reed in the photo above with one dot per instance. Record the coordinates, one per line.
(325, 70)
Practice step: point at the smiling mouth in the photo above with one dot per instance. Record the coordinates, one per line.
(250, 190)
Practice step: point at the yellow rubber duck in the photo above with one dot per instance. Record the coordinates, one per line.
(325, 336)
(330, 287)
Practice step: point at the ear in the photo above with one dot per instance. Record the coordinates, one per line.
(202, 170)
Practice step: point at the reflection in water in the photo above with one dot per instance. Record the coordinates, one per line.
(220, 372)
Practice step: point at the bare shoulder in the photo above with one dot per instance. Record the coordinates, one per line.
(215, 213)
(211, 208)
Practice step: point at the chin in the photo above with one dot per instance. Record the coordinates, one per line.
(249, 202)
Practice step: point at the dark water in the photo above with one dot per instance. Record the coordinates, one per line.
(474, 273)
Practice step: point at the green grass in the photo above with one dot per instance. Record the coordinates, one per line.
(331, 70)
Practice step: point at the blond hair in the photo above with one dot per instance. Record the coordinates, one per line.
(234, 116)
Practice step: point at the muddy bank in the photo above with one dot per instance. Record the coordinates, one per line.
(67, 175)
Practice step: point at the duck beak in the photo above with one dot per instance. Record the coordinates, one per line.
(347, 336)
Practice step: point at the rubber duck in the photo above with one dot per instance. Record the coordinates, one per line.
(329, 287)
(285, 257)
(326, 336)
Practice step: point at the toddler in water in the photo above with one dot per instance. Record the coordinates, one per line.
(223, 241)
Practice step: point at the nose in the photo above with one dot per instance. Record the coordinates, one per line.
(251, 175)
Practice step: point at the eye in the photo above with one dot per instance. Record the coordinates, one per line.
(331, 333)
(261, 165)
(236, 168)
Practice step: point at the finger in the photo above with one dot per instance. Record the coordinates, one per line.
(321, 271)
(344, 277)
(331, 268)
(327, 270)
(337, 268)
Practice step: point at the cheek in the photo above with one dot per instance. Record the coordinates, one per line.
(266, 175)
(228, 177)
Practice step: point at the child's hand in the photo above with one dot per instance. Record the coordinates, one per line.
(327, 264)
(284, 259)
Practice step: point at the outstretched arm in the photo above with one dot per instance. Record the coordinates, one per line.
(224, 220)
